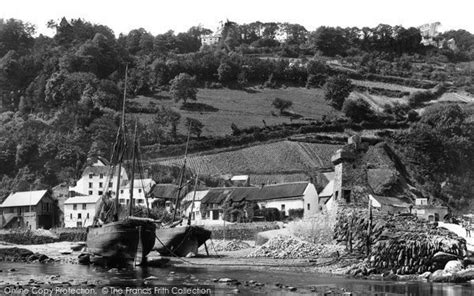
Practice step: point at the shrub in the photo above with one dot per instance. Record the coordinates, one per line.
(295, 213)
(281, 104)
(358, 110)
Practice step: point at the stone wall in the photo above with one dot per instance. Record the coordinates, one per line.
(242, 231)
(401, 244)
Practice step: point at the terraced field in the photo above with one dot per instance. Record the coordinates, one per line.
(285, 157)
(384, 85)
(377, 102)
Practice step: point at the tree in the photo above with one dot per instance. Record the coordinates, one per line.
(336, 90)
(227, 72)
(330, 41)
(195, 126)
(183, 88)
(357, 110)
(167, 117)
(282, 104)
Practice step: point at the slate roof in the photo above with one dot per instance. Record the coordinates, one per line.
(328, 190)
(140, 183)
(268, 192)
(82, 199)
(198, 197)
(217, 195)
(279, 191)
(24, 198)
(164, 191)
(97, 170)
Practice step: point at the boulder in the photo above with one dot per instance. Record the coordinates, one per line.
(425, 275)
(453, 266)
(439, 276)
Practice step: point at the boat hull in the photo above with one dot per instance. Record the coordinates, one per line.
(180, 241)
(122, 239)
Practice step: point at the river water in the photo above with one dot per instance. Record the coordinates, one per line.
(305, 283)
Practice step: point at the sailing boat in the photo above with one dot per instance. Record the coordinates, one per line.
(180, 241)
(131, 238)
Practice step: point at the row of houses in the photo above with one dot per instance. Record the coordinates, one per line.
(351, 183)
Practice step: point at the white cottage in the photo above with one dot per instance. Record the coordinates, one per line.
(140, 188)
(79, 211)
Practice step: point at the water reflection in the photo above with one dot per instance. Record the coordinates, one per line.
(305, 282)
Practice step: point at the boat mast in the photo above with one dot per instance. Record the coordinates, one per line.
(194, 197)
(182, 174)
(120, 154)
(130, 209)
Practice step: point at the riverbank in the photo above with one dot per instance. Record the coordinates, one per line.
(235, 255)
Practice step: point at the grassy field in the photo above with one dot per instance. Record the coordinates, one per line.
(246, 108)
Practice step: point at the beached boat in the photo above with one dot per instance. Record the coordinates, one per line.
(130, 238)
(180, 241)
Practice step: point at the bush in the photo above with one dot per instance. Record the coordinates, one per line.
(358, 110)
(270, 214)
(296, 213)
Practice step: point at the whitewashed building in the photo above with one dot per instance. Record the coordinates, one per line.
(140, 188)
(79, 211)
(95, 179)
(195, 211)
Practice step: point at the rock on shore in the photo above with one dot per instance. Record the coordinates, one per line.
(287, 247)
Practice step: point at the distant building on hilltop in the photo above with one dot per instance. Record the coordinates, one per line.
(213, 38)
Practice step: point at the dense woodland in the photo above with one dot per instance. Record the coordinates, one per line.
(61, 96)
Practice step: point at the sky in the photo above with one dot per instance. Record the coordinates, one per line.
(157, 16)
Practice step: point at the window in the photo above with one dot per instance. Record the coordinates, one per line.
(70, 217)
(90, 184)
(122, 200)
(121, 191)
(308, 206)
(90, 192)
(100, 184)
(139, 191)
(110, 184)
(79, 216)
(101, 176)
(90, 176)
(79, 224)
(84, 206)
(74, 207)
(140, 201)
(101, 192)
(337, 195)
(346, 194)
(87, 216)
(282, 207)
